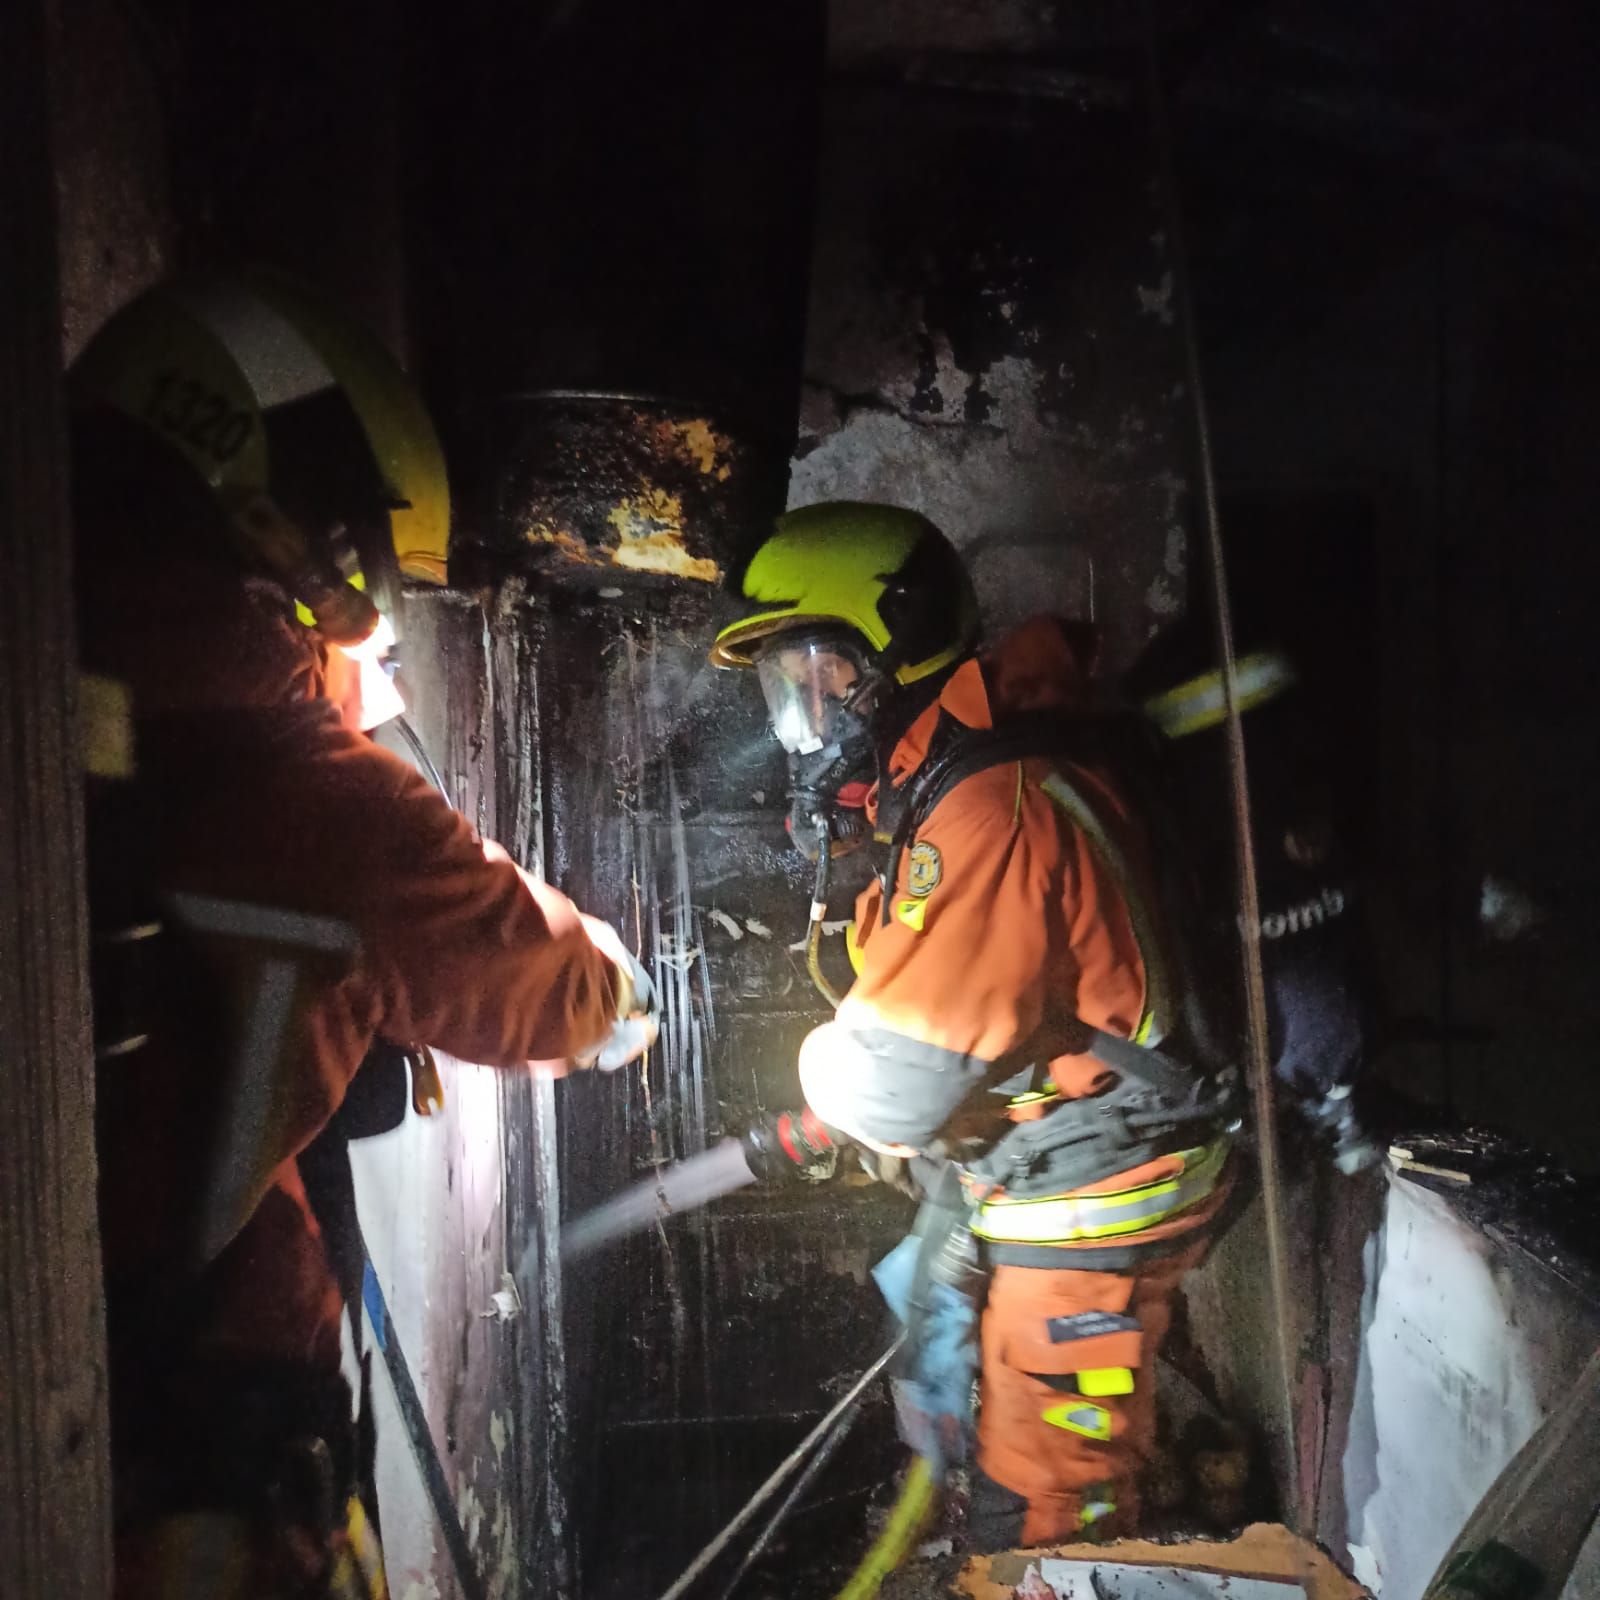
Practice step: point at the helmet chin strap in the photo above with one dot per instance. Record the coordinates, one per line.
(820, 825)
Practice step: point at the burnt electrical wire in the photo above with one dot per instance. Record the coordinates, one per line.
(424, 760)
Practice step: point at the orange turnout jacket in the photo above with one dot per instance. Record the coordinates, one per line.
(1008, 934)
(255, 793)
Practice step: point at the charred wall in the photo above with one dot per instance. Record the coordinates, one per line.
(993, 336)
(459, 1209)
(698, 1353)
(1400, 346)
(977, 352)
(1404, 444)
(992, 339)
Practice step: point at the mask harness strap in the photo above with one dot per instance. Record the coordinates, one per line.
(819, 892)
(1022, 737)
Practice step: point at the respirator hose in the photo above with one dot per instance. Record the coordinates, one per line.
(819, 909)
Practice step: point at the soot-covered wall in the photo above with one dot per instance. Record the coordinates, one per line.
(992, 339)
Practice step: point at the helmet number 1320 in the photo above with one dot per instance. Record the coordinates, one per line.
(198, 416)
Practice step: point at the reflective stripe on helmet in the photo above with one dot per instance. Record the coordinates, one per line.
(1069, 1218)
(1202, 702)
(213, 365)
(398, 429)
(272, 353)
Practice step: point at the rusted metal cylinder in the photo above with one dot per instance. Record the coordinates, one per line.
(605, 490)
(622, 264)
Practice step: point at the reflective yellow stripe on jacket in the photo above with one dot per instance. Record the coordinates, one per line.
(1071, 1218)
(1203, 702)
(1159, 1002)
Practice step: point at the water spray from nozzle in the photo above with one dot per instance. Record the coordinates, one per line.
(781, 1147)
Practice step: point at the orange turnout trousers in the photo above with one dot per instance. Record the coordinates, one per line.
(1066, 1401)
(1019, 920)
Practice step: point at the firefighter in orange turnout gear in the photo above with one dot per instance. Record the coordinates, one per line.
(270, 892)
(1013, 981)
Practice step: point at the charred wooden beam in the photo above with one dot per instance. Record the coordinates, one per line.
(55, 1503)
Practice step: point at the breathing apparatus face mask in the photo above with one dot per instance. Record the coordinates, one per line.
(820, 693)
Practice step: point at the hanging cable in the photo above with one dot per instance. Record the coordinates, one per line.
(823, 1454)
(780, 1473)
(819, 910)
(1259, 1051)
(424, 760)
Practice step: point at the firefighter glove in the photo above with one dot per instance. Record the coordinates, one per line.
(638, 1001)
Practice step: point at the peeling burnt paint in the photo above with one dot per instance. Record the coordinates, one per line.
(992, 342)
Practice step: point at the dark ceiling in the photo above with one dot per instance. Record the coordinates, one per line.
(1317, 142)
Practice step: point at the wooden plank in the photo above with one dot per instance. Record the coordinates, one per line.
(54, 1474)
(1263, 1550)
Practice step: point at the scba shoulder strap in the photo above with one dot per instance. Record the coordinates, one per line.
(957, 753)
(1182, 1094)
(1124, 743)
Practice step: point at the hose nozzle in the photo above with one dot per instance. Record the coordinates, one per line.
(787, 1145)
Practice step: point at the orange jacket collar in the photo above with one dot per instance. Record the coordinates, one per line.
(1045, 665)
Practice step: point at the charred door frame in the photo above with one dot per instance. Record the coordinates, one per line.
(55, 1501)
